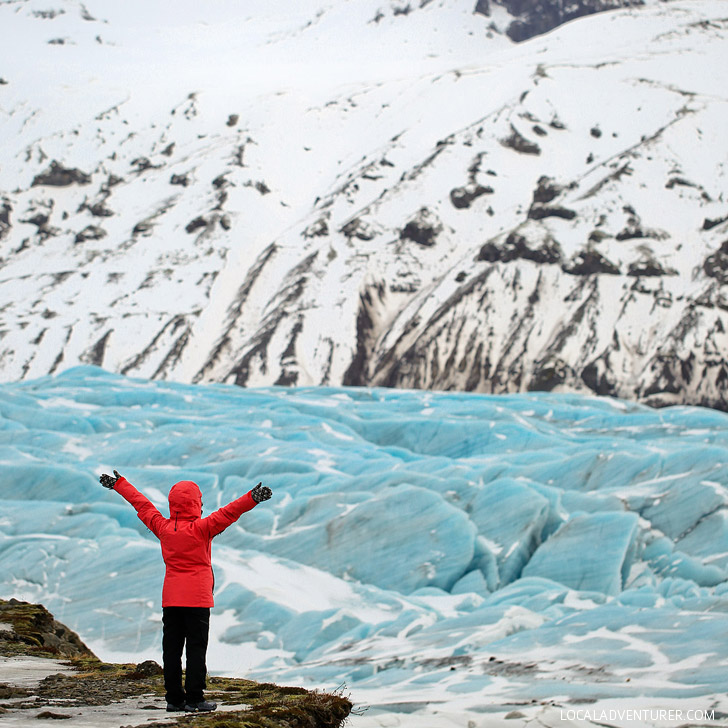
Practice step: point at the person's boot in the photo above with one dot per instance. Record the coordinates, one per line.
(171, 707)
(202, 707)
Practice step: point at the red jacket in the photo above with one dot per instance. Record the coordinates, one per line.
(186, 539)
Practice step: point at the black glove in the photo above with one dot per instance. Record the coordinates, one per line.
(261, 493)
(109, 481)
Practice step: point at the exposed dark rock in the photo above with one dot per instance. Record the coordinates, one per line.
(5, 225)
(222, 196)
(716, 264)
(142, 227)
(59, 176)
(596, 236)
(358, 228)
(142, 164)
(234, 312)
(356, 373)
(179, 179)
(95, 355)
(483, 7)
(220, 182)
(490, 252)
(261, 186)
(289, 371)
(168, 150)
(539, 212)
(596, 132)
(149, 668)
(170, 329)
(11, 691)
(649, 267)
(196, 224)
(520, 144)
(517, 246)
(548, 374)
(47, 14)
(423, 229)
(294, 286)
(535, 17)
(317, 229)
(40, 220)
(225, 222)
(463, 197)
(669, 374)
(546, 190)
(232, 119)
(90, 232)
(597, 376)
(710, 224)
(97, 209)
(632, 231)
(112, 181)
(679, 182)
(589, 262)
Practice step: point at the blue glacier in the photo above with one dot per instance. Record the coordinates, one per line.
(419, 546)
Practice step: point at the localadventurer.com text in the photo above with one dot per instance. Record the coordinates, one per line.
(638, 714)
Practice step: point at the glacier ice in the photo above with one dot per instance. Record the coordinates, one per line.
(492, 546)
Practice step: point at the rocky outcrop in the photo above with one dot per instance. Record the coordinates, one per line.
(33, 630)
(535, 17)
(88, 687)
(59, 176)
(422, 229)
(5, 225)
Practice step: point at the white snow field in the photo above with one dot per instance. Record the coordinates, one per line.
(449, 557)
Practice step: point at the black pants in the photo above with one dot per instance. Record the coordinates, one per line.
(185, 626)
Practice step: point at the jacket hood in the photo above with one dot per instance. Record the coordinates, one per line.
(185, 500)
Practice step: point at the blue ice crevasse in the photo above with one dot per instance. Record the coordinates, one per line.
(591, 551)
(512, 516)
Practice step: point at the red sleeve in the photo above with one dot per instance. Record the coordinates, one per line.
(218, 521)
(146, 511)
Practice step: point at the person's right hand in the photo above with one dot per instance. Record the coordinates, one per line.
(108, 481)
(261, 493)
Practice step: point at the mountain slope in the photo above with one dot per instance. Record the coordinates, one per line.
(259, 198)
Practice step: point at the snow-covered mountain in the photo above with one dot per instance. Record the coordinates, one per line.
(368, 193)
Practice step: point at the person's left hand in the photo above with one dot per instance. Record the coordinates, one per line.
(261, 493)
(108, 481)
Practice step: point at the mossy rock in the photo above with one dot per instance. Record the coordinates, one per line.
(94, 682)
(36, 632)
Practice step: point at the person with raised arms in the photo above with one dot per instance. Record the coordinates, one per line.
(187, 593)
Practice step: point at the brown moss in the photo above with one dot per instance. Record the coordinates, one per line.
(36, 632)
